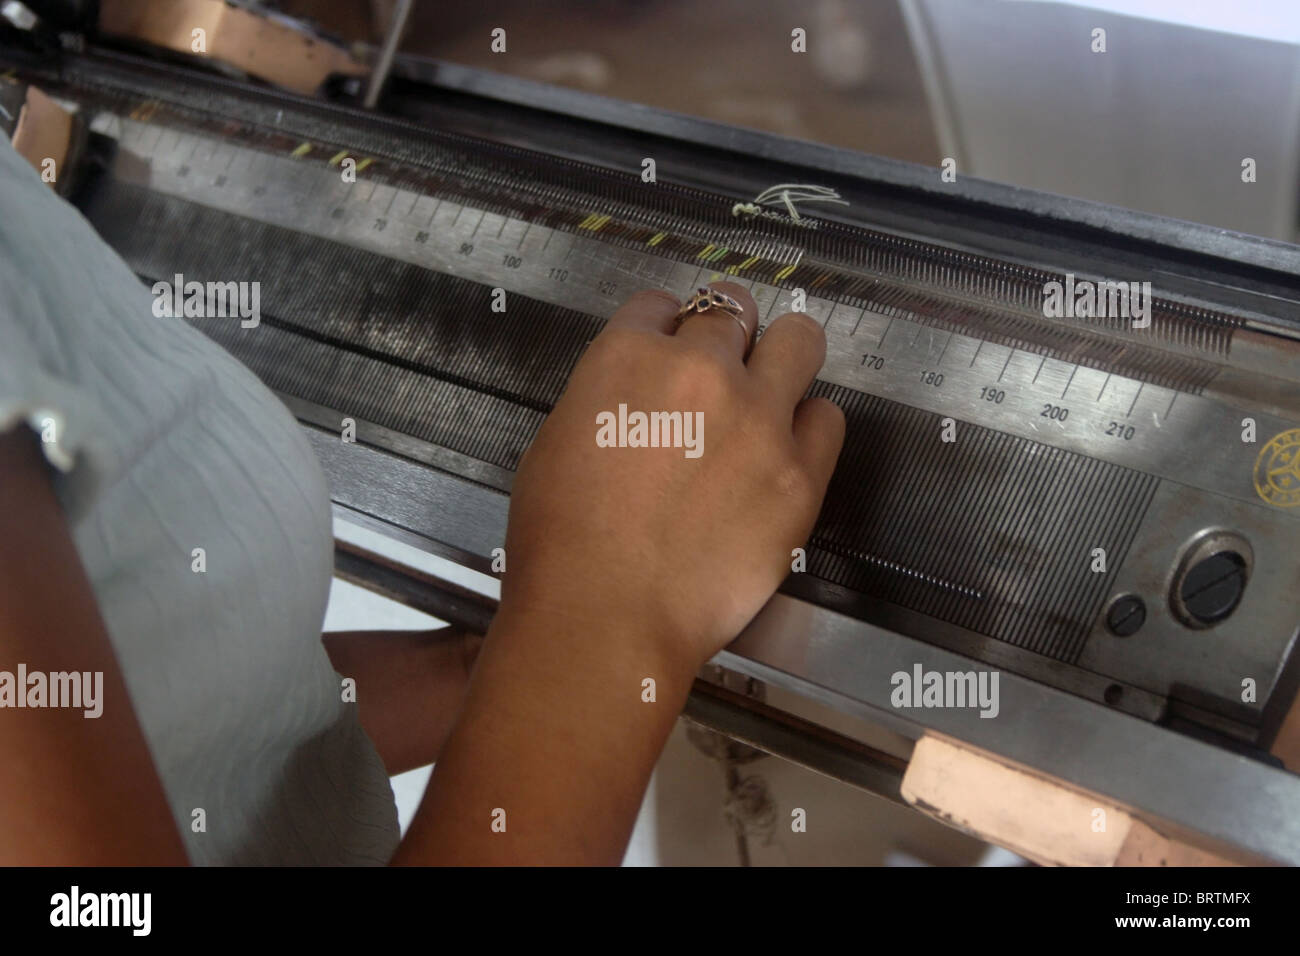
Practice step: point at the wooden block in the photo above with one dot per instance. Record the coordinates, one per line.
(265, 48)
(44, 132)
(1037, 817)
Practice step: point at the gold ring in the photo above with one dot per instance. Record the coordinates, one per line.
(706, 300)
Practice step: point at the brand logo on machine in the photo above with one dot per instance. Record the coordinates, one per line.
(1277, 470)
(1083, 298)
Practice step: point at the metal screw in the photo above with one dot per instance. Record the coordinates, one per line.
(1126, 614)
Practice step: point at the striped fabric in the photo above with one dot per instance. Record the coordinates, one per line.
(164, 444)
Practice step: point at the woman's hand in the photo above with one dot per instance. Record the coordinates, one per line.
(679, 545)
(626, 569)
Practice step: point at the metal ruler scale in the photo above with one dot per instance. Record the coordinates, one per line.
(1036, 591)
(1185, 438)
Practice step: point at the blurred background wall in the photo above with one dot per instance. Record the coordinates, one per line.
(1017, 91)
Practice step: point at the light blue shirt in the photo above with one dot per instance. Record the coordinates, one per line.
(163, 444)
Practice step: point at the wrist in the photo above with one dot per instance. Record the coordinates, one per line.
(617, 643)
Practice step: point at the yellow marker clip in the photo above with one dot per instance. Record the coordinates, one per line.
(302, 150)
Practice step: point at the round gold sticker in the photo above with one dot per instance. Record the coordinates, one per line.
(1277, 470)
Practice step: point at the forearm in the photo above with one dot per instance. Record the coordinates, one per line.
(75, 789)
(629, 564)
(410, 687)
(557, 733)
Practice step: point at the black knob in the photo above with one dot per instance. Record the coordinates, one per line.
(1212, 587)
